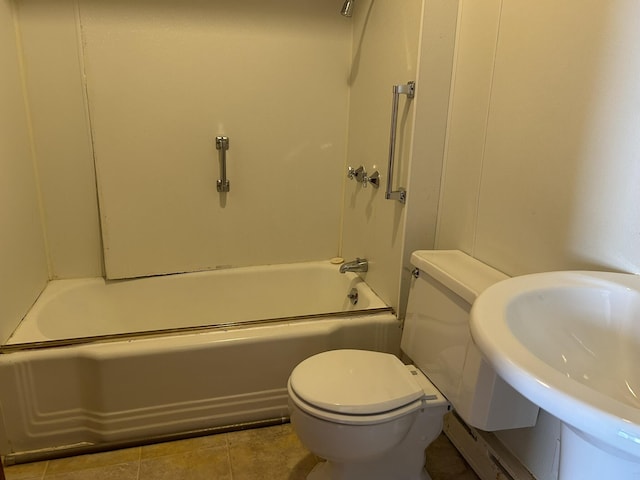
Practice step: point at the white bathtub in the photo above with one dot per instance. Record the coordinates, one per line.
(210, 350)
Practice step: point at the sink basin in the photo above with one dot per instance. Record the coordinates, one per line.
(570, 343)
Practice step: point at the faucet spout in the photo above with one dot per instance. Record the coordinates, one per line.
(358, 265)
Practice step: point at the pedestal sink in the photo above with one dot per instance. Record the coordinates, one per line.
(570, 343)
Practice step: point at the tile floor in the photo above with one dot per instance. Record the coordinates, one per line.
(272, 453)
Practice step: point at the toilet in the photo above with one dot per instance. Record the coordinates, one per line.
(371, 416)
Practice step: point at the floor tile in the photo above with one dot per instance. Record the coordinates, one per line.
(269, 453)
(123, 471)
(200, 464)
(444, 462)
(260, 435)
(27, 471)
(94, 460)
(181, 446)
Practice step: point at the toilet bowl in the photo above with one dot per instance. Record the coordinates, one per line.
(371, 417)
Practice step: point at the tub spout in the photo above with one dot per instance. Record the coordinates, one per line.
(358, 265)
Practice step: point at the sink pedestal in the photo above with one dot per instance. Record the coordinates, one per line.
(581, 459)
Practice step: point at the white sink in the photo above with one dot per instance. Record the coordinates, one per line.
(570, 343)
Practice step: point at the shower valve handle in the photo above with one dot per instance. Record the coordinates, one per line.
(358, 173)
(373, 179)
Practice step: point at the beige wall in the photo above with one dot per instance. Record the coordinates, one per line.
(163, 79)
(381, 58)
(149, 85)
(393, 46)
(145, 86)
(435, 63)
(542, 165)
(23, 264)
(62, 143)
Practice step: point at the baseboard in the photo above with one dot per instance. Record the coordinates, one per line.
(488, 457)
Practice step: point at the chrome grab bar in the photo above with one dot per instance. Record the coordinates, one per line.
(222, 145)
(409, 90)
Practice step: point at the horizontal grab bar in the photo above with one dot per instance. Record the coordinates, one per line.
(409, 90)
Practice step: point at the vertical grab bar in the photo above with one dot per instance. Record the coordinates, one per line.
(222, 145)
(409, 90)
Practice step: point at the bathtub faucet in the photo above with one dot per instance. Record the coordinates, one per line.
(358, 265)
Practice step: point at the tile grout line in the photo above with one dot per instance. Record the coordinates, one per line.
(139, 463)
(46, 467)
(229, 464)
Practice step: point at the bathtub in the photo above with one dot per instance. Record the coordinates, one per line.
(102, 364)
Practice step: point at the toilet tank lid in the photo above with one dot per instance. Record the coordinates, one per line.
(457, 271)
(357, 382)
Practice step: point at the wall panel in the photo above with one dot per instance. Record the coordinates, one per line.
(23, 262)
(165, 78)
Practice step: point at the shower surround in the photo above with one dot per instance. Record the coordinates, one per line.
(300, 91)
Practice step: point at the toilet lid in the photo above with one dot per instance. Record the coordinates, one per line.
(356, 382)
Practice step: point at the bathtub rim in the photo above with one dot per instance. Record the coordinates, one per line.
(117, 337)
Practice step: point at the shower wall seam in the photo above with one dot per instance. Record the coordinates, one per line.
(87, 111)
(31, 135)
(478, 192)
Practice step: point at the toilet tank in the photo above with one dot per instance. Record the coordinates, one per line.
(437, 339)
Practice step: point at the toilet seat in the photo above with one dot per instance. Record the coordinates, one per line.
(357, 382)
(362, 387)
(346, 419)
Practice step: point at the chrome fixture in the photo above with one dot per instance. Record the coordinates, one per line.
(373, 179)
(347, 8)
(357, 173)
(353, 296)
(360, 175)
(222, 145)
(409, 90)
(358, 265)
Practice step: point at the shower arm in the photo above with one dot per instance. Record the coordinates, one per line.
(409, 90)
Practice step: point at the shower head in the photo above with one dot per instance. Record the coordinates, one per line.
(347, 8)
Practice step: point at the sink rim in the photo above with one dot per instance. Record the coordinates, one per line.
(605, 420)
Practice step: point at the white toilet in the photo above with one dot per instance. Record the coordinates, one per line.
(371, 417)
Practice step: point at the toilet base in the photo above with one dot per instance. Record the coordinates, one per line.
(327, 471)
(404, 461)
